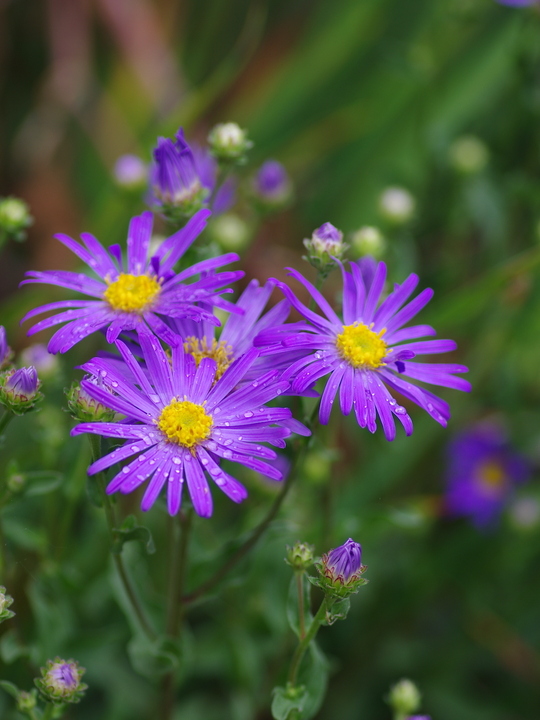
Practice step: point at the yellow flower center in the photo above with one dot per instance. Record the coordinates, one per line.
(132, 293)
(185, 423)
(361, 346)
(218, 351)
(491, 475)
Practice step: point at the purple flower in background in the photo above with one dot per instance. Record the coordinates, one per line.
(517, 3)
(130, 171)
(181, 423)
(38, 356)
(368, 352)
(482, 472)
(135, 291)
(344, 561)
(5, 350)
(272, 184)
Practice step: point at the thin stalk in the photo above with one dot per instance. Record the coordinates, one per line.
(131, 595)
(5, 420)
(48, 713)
(301, 613)
(257, 532)
(304, 644)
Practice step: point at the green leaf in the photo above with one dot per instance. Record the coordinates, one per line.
(292, 603)
(11, 648)
(130, 530)
(287, 700)
(41, 483)
(10, 688)
(157, 657)
(339, 611)
(314, 676)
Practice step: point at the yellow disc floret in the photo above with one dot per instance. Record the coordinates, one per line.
(132, 293)
(185, 423)
(361, 346)
(492, 475)
(218, 351)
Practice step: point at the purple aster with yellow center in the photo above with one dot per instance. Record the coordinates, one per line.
(483, 471)
(181, 423)
(134, 291)
(368, 352)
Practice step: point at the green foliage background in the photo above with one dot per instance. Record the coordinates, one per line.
(352, 96)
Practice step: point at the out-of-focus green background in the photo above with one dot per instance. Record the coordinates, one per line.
(352, 96)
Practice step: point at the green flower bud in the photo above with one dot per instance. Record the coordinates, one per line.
(230, 231)
(229, 142)
(368, 241)
(14, 218)
(85, 408)
(26, 701)
(61, 681)
(468, 155)
(300, 556)
(404, 697)
(397, 205)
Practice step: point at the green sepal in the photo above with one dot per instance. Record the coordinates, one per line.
(338, 611)
(131, 530)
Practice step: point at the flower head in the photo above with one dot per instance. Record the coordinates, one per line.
(131, 172)
(367, 352)
(482, 473)
(341, 570)
(181, 422)
(60, 681)
(5, 351)
(272, 186)
(135, 291)
(19, 389)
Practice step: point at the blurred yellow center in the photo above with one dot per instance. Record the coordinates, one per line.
(218, 351)
(361, 347)
(491, 475)
(185, 423)
(132, 293)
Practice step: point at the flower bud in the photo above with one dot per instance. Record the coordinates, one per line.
(39, 357)
(404, 697)
(230, 231)
(325, 244)
(228, 142)
(341, 570)
(130, 172)
(14, 218)
(85, 408)
(272, 186)
(300, 556)
(468, 155)
(368, 241)
(61, 681)
(26, 701)
(5, 601)
(175, 181)
(397, 205)
(19, 389)
(6, 353)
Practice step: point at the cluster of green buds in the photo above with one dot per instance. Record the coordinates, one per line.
(15, 218)
(229, 143)
(85, 408)
(300, 556)
(341, 570)
(325, 247)
(60, 681)
(19, 390)
(5, 601)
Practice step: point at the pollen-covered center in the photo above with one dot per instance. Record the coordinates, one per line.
(491, 475)
(132, 293)
(185, 423)
(361, 346)
(218, 351)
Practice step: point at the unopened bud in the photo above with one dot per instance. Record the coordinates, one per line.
(19, 389)
(468, 154)
(404, 697)
(325, 244)
(26, 701)
(85, 408)
(272, 186)
(341, 570)
(397, 205)
(230, 231)
(300, 556)
(368, 241)
(61, 681)
(228, 142)
(14, 218)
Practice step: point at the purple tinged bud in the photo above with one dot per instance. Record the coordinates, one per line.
(130, 172)
(23, 383)
(272, 184)
(344, 561)
(61, 681)
(328, 239)
(84, 407)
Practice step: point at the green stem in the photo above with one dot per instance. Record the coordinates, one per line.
(319, 282)
(301, 614)
(49, 711)
(304, 643)
(131, 595)
(257, 533)
(5, 420)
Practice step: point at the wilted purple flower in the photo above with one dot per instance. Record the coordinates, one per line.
(181, 423)
(482, 472)
(344, 561)
(135, 291)
(5, 350)
(272, 184)
(61, 681)
(130, 171)
(366, 352)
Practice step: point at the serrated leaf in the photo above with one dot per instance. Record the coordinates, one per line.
(131, 530)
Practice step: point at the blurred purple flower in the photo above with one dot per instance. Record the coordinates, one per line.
(5, 351)
(130, 171)
(482, 472)
(272, 183)
(517, 3)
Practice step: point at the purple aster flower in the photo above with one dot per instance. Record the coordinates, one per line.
(367, 353)
(134, 291)
(482, 472)
(130, 171)
(5, 350)
(344, 561)
(272, 184)
(181, 422)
